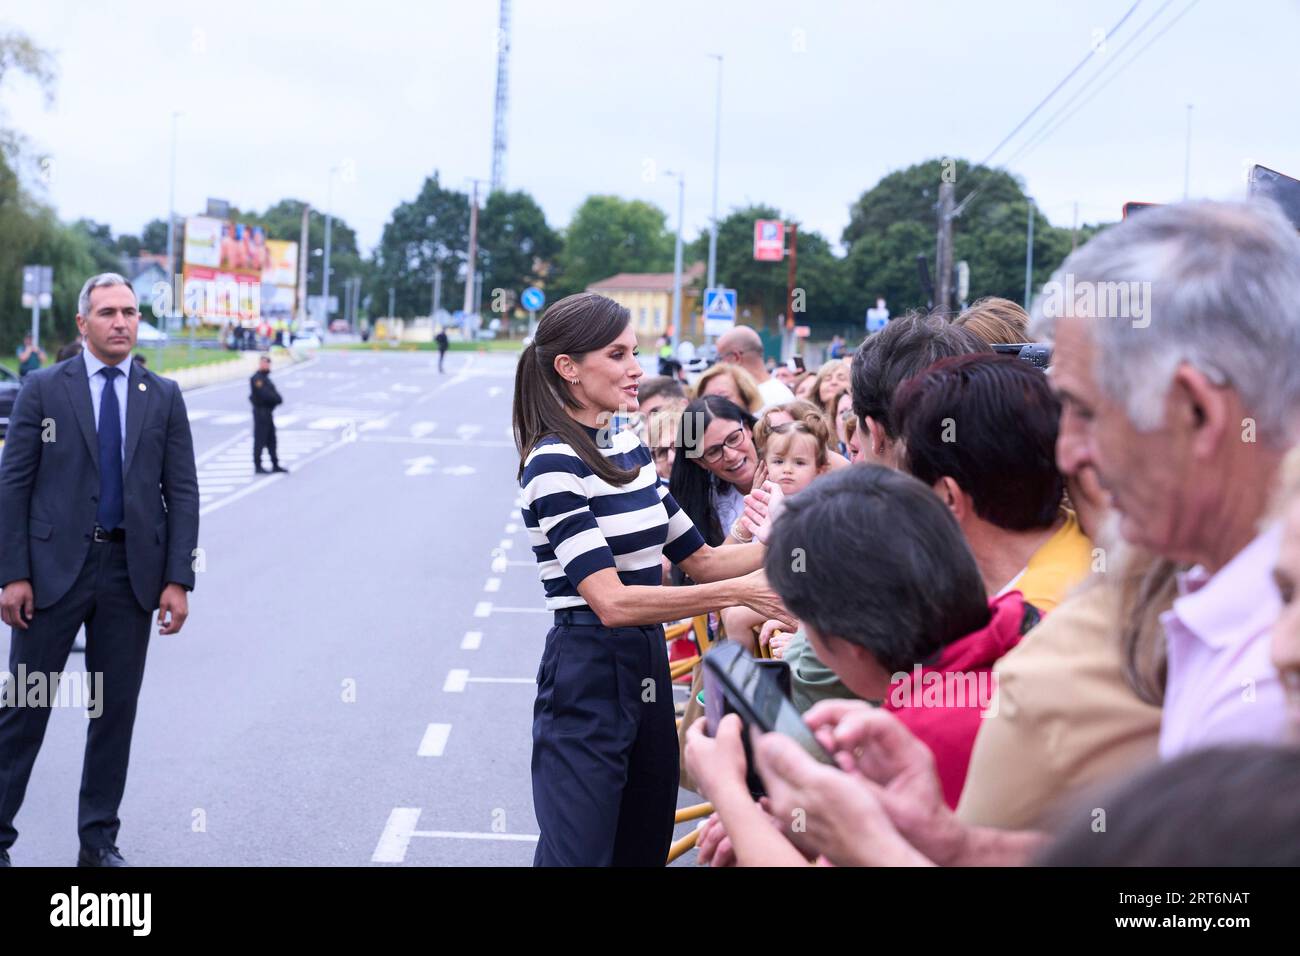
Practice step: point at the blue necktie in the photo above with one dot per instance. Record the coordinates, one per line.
(110, 512)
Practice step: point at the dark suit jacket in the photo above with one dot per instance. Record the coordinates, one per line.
(49, 484)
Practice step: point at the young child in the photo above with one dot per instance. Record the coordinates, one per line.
(791, 454)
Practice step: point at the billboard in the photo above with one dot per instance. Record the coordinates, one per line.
(232, 272)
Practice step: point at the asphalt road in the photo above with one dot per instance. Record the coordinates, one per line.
(355, 682)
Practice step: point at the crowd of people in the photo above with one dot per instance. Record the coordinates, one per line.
(1030, 615)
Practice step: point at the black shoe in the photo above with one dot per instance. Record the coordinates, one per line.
(4, 859)
(259, 470)
(277, 468)
(103, 856)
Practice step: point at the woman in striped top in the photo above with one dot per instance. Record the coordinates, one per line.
(605, 767)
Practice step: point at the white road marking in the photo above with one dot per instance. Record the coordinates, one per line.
(435, 740)
(420, 466)
(406, 388)
(240, 419)
(472, 641)
(500, 680)
(329, 423)
(483, 609)
(197, 415)
(420, 429)
(396, 836)
(520, 610)
(455, 682)
(462, 443)
(492, 584)
(458, 470)
(512, 528)
(468, 431)
(506, 544)
(400, 830)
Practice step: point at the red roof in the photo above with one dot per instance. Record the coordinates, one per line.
(646, 281)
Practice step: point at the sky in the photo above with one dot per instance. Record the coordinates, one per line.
(819, 100)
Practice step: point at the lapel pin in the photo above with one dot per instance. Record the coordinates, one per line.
(142, 386)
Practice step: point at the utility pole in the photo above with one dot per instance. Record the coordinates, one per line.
(677, 261)
(789, 282)
(943, 251)
(392, 293)
(472, 256)
(1029, 257)
(717, 145)
(304, 251)
(171, 218)
(329, 221)
(437, 288)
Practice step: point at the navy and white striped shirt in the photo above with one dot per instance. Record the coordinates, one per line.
(578, 523)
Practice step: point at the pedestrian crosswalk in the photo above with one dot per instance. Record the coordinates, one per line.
(230, 471)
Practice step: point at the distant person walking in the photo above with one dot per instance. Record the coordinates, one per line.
(263, 395)
(443, 344)
(30, 357)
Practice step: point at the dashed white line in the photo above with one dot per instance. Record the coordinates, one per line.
(483, 609)
(492, 584)
(435, 740)
(472, 641)
(455, 682)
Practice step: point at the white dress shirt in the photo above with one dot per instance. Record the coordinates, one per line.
(93, 365)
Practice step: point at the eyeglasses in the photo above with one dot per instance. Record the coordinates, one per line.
(734, 440)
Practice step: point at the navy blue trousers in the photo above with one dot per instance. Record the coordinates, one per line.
(605, 759)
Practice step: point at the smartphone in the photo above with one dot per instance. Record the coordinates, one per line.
(1132, 208)
(797, 365)
(755, 693)
(1280, 188)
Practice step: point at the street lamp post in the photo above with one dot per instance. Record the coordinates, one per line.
(329, 221)
(677, 261)
(717, 144)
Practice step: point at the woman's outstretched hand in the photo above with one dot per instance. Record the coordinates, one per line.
(763, 506)
(758, 595)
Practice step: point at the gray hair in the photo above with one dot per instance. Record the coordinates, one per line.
(1221, 284)
(101, 281)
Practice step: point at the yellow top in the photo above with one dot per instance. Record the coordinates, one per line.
(1063, 561)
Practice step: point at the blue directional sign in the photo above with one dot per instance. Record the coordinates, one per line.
(533, 299)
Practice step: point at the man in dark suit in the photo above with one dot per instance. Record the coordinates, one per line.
(264, 396)
(99, 526)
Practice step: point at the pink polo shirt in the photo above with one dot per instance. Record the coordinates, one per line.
(1221, 686)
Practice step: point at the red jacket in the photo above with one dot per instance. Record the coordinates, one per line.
(941, 702)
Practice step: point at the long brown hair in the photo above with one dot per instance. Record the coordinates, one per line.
(572, 326)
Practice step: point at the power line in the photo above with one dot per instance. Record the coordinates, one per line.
(1101, 71)
(1056, 89)
(1043, 135)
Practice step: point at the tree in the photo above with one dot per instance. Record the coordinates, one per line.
(515, 244)
(102, 246)
(153, 238)
(427, 233)
(609, 235)
(896, 220)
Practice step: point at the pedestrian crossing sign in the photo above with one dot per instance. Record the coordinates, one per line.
(720, 304)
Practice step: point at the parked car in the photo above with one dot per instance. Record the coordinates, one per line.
(340, 325)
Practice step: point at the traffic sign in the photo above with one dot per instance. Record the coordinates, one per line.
(719, 311)
(878, 317)
(769, 240)
(533, 299)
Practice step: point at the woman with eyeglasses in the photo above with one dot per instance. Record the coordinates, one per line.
(605, 758)
(716, 465)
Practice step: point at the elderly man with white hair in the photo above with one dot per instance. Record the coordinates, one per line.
(1186, 402)
(1177, 359)
(742, 346)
